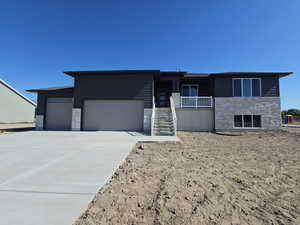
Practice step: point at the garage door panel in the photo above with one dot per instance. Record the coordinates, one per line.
(113, 115)
(59, 114)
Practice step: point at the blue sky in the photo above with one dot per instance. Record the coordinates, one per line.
(40, 39)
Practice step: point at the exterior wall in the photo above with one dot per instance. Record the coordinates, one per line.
(269, 85)
(14, 108)
(42, 98)
(223, 87)
(147, 120)
(189, 119)
(267, 107)
(205, 85)
(122, 87)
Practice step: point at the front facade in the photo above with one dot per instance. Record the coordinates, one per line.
(15, 107)
(161, 102)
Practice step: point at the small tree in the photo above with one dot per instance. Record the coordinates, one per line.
(293, 112)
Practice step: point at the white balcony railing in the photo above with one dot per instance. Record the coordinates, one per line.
(153, 116)
(174, 117)
(196, 102)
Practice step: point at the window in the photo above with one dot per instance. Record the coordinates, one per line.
(247, 121)
(238, 121)
(255, 87)
(246, 87)
(237, 90)
(256, 121)
(189, 90)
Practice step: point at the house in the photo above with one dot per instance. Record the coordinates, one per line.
(14, 107)
(162, 102)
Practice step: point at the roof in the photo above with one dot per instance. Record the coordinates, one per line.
(51, 89)
(199, 75)
(102, 72)
(191, 75)
(18, 93)
(158, 72)
(119, 72)
(281, 74)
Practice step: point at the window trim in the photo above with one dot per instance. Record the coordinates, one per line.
(242, 91)
(252, 122)
(189, 85)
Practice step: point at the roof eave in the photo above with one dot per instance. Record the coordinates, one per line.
(279, 74)
(94, 72)
(50, 89)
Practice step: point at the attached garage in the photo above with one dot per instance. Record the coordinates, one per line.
(113, 115)
(59, 113)
(201, 119)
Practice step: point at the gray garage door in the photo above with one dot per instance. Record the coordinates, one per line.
(201, 119)
(59, 113)
(113, 115)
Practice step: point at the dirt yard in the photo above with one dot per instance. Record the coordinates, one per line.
(249, 178)
(16, 125)
(6, 128)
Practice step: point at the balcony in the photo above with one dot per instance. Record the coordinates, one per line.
(196, 102)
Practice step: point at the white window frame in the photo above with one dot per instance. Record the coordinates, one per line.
(189, 85)
(243, 126)
(242, 84)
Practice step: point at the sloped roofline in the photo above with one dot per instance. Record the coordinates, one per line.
(118, 72)
(50, 88)
(17, 92)
(83, 72)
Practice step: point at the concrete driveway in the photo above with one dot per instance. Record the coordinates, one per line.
(50, 177)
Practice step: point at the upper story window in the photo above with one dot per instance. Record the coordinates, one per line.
(190, 90)
(246, 87)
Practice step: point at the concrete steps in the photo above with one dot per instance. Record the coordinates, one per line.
(163, 124)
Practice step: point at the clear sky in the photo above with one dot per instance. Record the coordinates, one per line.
(40, 39)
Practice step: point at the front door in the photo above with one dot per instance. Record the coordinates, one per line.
(163, 97)
(163, 91)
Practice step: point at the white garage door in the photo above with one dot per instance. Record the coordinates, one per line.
(113, 115)
(59, 113)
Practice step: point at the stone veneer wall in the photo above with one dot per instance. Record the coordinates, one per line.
(147, 119)
(39, 122)
(176, 99)
(76, 119)
(227, 107)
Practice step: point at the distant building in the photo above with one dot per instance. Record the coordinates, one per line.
(15, 107)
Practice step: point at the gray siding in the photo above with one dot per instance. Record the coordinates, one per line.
(126, 87)
(42, 98)
(195, 119)
(13, 107)
(270, 86)
(223, 86)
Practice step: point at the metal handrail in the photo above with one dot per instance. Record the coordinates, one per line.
(153, 116)
(174, 117)
(194, 101)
